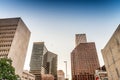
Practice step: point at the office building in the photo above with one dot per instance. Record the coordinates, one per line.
(42, 62)
(47, 77)
(61, 75)
(101, 73)
(14, 39)
(84, 60)
(36, 63)
(50, 64)
(27, 76)
(111, 56)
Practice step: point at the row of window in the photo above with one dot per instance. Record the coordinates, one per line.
(3, 56)
(8, 26)
(4, 33)
(25, 78)
(5, 45)
(3, 40)
(2, 27)
(83, 77)
(6, 36)
(4, 50)
(8, 29)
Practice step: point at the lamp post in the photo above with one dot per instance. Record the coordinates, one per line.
(66, 68)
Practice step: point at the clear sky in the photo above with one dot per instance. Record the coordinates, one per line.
(57, 21)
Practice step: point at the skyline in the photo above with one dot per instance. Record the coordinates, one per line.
(57, 22)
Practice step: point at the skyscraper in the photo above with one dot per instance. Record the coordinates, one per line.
(42, 61)
(14, 39)
(84, 60)
(36, 63)
(50, 64)
(111, 56)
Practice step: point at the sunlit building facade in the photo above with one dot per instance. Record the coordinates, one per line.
(111, 56)
(84, 60)
(14, 39)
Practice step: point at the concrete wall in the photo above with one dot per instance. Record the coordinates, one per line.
(111, 56)
(19, 47)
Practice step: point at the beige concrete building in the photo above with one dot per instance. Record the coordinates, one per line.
(27, 76)
(14, 39)
(61, 75)
(111, 56)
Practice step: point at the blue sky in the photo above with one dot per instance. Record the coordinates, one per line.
(57, 21)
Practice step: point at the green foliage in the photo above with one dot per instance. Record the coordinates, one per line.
(7, 71)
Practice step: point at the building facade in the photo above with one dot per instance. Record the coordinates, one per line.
(47, 77)
(27, 76)
(14, 39)
(36, 63)
(84, 61)
(61, 75)
(101, 73)
(50, 64)
(42, 61)
(80, 38)
(111, 56)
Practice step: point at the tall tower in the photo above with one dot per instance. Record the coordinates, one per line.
(42, 61)
(84, 60)
(36, 63)
(14, 39)
(80, 38)
(50, 64)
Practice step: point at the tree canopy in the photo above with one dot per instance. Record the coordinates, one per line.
(7, 71)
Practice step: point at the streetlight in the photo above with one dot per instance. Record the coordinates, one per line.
(66, 68)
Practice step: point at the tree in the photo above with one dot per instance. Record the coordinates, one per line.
(7, 71)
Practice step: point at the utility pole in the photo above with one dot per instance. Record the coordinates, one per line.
(66, 67)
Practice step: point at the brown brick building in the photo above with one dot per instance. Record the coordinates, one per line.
(84, 60)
